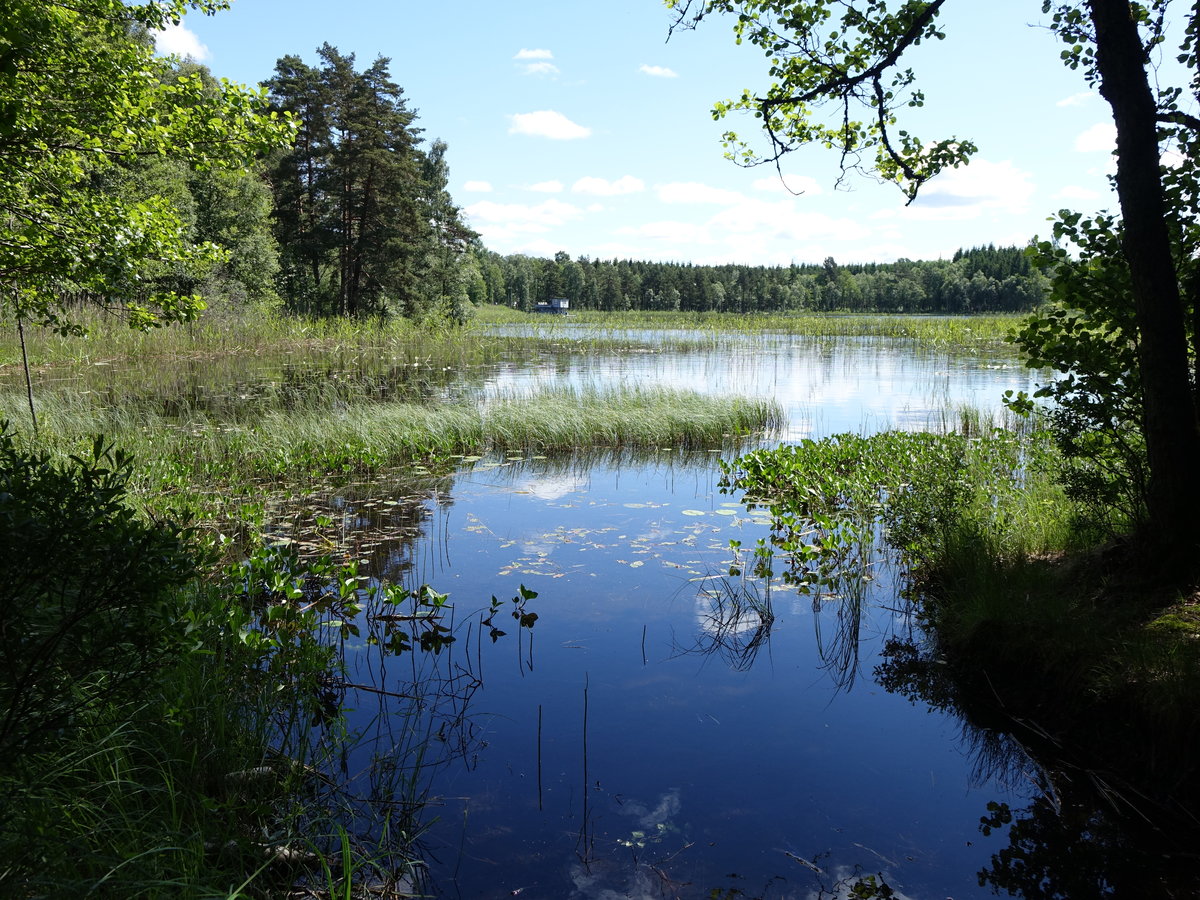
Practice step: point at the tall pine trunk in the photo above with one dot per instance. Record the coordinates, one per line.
(1170, 421)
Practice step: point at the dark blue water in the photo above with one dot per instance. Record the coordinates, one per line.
(644, 739)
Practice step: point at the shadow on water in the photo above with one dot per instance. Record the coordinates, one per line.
(1085, 832)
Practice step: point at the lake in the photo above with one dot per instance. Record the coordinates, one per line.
(651, 733)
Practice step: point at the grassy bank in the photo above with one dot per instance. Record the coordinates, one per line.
(154, 709)
(1033, 628)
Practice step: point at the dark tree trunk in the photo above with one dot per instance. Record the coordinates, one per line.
(1172, 433)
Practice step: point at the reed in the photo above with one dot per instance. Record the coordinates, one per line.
(183, 457)
(262, 334)
(942, 331)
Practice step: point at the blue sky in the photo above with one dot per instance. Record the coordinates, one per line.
(579, 127)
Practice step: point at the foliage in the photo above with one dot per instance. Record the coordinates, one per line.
(88, 586)
(363, 217)
(845, 55)
(976, 280)
(81, 93)
(1089, 337)
(832, 501)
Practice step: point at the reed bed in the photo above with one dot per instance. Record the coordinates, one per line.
(259, 333)
(942, 331)
(183, 453)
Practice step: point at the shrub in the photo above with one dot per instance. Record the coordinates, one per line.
(86, 586)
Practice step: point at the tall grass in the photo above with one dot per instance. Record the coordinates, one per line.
(961, 331)
(143, 800)
(275, 335)
(320, 436)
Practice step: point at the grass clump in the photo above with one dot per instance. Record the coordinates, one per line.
(188, 455)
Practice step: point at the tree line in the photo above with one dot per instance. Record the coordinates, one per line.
(981, 279)
(319, 193)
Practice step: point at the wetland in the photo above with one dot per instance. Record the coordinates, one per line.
(573, 656)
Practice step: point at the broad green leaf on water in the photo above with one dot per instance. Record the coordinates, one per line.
(693, 512)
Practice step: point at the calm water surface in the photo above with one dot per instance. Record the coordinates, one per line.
(638, 740)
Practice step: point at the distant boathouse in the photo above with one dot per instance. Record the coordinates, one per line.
(555, 306)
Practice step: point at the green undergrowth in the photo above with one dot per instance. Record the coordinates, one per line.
(1071, 643)
(172, 728)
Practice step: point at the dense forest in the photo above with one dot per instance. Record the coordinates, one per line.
(984, 279)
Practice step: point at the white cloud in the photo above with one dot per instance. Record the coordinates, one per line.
(767, 220)
(614, 250)
(669, 232)
(747, 230)
(512, 218)
(176, 40)
(659, 71)
(549, 124)
(1075, 192)
(885, 252)
(541, 68)
(789, 184)
(547, 187)
(695, 192)
(601, 187)
(533, 54)
(478, 187)
(1100, 138)
(962, 193)
(1078, 99)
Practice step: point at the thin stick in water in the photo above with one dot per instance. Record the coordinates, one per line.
(28, 380)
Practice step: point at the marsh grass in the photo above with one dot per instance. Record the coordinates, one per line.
(198, 450)
(941, 331)
(266, 334)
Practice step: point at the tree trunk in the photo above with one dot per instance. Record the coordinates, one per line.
(1170, 423)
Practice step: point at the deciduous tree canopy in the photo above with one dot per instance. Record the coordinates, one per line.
(81, 92)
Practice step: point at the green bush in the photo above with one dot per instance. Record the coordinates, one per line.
(87, 588)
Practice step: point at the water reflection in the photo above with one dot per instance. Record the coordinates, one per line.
(667, 727)
(735, 618)
(1083, 833)
(628, 559)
